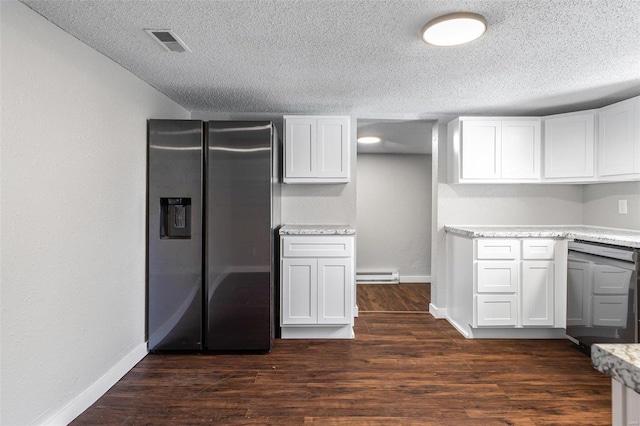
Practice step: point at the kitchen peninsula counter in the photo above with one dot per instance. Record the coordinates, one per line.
(621, 362)
(615, 236)
(618, 361)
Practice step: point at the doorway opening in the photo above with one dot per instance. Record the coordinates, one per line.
(394, 214)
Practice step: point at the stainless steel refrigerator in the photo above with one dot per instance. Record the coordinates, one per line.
(213, 208)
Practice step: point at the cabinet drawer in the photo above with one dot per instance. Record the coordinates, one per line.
(497, 277)
(535, 248)
(496, 310)
(497, 248)
(317, 246)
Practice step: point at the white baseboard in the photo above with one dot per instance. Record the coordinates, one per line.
(462, 330)
(99, 388)
(439, 313)
(315, 332)
(415, 278)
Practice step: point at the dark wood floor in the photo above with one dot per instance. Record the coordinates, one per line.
(401, 369)
(403, 297)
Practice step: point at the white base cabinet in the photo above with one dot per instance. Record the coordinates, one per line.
(317, 283)
(497, 286)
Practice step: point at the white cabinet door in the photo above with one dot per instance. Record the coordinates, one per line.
(619, 147)
(334, 291)
(579, 281)
(481, 149)
(333, 148)
(569, 145)
(300, 150)
(520, 149)
(497, 277)
(537, 293)
(496, 310)
(317, 149)
(299, 291)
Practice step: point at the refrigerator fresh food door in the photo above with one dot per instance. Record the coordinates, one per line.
(238, 236)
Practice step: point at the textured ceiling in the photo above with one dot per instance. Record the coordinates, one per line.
(366, 58)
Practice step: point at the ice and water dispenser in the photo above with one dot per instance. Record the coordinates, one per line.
(175, 218)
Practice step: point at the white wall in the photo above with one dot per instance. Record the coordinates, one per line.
(73, 217)
(307, 204)
(394, 214)
(494, 205)
(600, 206)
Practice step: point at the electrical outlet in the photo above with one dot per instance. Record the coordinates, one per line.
(622, 206)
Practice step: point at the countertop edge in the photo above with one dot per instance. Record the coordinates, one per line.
(621, 362)
(317, 230)
(614, 236)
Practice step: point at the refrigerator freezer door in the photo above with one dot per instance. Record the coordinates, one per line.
(239, 282)
(174, 234)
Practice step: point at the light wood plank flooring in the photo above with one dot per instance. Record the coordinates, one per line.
(402, 369)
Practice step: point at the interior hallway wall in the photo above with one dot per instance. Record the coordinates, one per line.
(73, 218)
(600, 205)
(394, 215)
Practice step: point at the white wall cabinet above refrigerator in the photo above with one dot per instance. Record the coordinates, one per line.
(317, 149)
(494, 149)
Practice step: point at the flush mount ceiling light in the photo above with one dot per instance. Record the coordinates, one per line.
(368, 139)
(454, 29)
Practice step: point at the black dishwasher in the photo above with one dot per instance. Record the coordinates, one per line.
(602, 294)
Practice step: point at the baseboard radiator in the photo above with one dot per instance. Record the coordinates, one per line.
(378, 277)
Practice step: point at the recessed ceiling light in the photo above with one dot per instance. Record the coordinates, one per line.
(454, 29)
(368, 139)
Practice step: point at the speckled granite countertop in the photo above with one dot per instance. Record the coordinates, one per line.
(620, 237)
(317, 230)
(619, 361)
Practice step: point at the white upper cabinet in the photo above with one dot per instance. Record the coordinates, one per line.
(619, 139)
(521, 149)
(317, 149)
(494, 149)
(569, 146)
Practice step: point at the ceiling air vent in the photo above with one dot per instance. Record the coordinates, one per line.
(168, 40)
